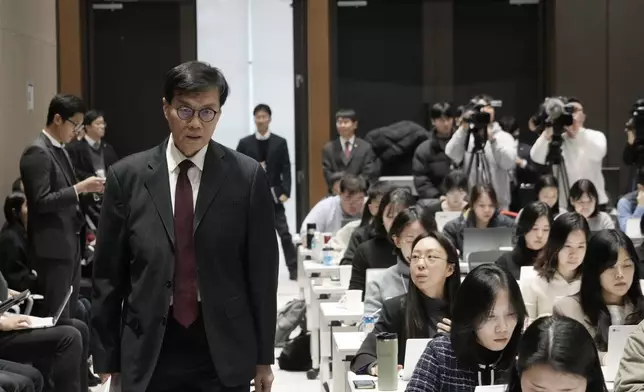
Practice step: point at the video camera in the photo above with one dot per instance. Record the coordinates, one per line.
(478, 121)
(559, 116)
(636, 122)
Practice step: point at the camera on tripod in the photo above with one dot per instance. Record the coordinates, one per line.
(559, 116)
(636, 125)
(478, 121)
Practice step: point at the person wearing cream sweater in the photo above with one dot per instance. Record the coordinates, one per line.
(558, 266)
(610, 269)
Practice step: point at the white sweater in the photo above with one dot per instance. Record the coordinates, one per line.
(583, 156)
(540, 295)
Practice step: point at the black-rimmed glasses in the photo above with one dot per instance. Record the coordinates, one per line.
(77, 126)
(186, 113)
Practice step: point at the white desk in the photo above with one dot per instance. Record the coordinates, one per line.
(345, 346)
(329, 312)
(334, 290)
(305, 268)
(352, 376)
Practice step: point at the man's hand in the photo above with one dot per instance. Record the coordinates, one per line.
(263, 378)
(263, 164)
(106, 376)
(283, 198)
(13, 323)
(445, 326)
(91, 185)
(522, 163)
(13, 293)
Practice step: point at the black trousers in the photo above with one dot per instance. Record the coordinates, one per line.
(185, 363)
(55, 276)
(16, 377)
(56, 352)
(281, 226)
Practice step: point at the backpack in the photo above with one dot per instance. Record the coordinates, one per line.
(296, 355)
(292, 315)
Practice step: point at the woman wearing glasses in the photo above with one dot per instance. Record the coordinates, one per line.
(424, 311)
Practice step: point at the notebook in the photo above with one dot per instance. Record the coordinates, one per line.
(413, 351)
(48, 322)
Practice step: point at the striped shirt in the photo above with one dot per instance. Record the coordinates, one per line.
(439, 370)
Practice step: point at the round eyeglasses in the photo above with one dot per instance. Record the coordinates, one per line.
(187, 113)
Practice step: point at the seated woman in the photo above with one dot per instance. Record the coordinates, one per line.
(547, 191)
(610, 290)
(57, 352)
(533, 227)
(454, 197)
(379, 252)
(424, 311)
(355, 233)
(408, 225)
(556, 354)
(558, 265)
(482, 214)
(14, 263)
(630, 377)
(487, 319)
(583, 200)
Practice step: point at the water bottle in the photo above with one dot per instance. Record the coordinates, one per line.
(387, 354)
(327, 255)
(310, 234)
(368, 322)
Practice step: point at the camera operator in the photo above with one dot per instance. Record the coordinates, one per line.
(582, 149)
(634, 150)
(498, 147)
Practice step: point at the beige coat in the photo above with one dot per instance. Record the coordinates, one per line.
(630, 374)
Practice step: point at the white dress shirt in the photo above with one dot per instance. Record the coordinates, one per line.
(265, 136)
(174, 158)
(53, 141)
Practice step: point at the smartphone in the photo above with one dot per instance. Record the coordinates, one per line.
(364, 384)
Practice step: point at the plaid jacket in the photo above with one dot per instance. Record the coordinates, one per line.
(439, 370)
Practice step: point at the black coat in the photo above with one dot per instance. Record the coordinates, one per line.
(236, 256)
(15, 265)
(79, 153)
(378, 252)
(430, 167)
(278, 163)
(360, 235)
(394, 146)
(392, 319)
(520, 256)
(360, 163)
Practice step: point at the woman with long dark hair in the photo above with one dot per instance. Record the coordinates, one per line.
(483, 213)
(584, 200)
(425, 310)
(533, 228)
(487, 319)
(610, 290)
(556, 354)
(558, 265)
(394, 281)
(14, 261)
(547, 191)
(380, 252)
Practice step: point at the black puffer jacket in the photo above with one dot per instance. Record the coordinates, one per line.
(394, 146)
(430, 166)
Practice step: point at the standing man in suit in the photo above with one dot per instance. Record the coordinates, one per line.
(185, 274)
(55, 219)
(271, 151)
(347, 154)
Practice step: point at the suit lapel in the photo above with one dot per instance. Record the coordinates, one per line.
(158, 185)
(215, 171)
(339, 150)
(61, 165)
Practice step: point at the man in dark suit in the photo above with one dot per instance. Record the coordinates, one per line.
(185, 274)
(271, 151)
(91, 156)
(55, 218)
(348, 153)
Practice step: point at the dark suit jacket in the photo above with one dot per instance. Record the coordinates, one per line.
(14, 261)
(55, 217)
(236, 256)
(362, 161)
(278, 164)
(80, 155)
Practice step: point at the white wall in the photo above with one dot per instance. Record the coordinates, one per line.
(251, 41)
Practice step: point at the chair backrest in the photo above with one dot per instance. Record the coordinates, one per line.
(475, 259)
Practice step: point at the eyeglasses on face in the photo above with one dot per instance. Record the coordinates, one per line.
(429, 259)
(186, 113)
(77, 126)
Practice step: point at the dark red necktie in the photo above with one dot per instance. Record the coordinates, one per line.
(185, 269)
(347, 149)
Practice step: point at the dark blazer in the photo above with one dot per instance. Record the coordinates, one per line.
(361, 162)
(278, 163)
(392, 319)
(236, 256)
(375, 253)
(55, 217)
(80, 155)
(430, 166)
(14, 261)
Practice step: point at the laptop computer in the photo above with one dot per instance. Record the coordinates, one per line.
(442, 217)
(414, 349)
(617, 337)
(48, 322)
(493, 238)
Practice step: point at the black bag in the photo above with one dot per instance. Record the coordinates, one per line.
(296, 355)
